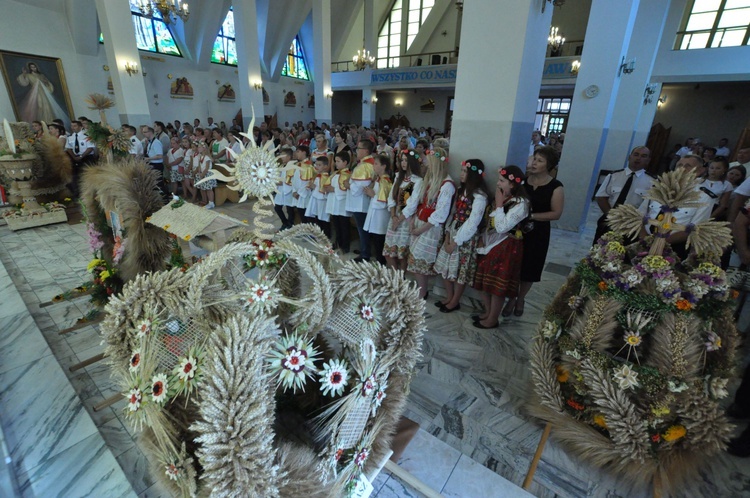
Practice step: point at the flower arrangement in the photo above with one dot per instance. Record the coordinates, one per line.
(638, 346)
(264, 256)
(293, 361)
(106, 280)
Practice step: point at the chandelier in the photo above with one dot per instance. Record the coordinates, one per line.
(363, 59)
(170, 10)
(554, 40)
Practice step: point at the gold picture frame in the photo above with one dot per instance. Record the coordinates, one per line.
(36, 87)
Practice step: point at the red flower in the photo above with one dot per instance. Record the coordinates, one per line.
(575, 405)
(656, 438)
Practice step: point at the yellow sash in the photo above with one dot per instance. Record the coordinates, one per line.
(385, 188)
(325, 180)
(364, 171)
(344, 175)
(307, 172)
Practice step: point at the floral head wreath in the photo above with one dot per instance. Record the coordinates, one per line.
(201, 144)
(510, 176)
(473, 167)
(413, 153)
(437, 155)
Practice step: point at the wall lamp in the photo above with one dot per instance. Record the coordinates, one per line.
(374, 100)
(626, 67)
(574, 67)
(399, 103)
(648, 93)
(329, 94)
(661, 101)
(257, 84)
(131, 68)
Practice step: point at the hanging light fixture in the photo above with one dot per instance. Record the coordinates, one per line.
(555, 41)
(170, 10)
(362, 58)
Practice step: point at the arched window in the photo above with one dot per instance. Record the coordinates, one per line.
(225, 45)
(715, 23)
(152, 33)
(295, 65)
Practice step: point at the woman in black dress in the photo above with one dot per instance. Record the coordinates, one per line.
(547, 201)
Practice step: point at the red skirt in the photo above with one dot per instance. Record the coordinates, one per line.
(499, 272)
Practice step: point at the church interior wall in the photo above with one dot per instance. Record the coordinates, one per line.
(411, 101)
(709, 111)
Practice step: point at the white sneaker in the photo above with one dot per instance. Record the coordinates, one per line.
(210, 205)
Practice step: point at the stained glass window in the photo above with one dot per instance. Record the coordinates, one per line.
(152, 33)
(715, 23)
(295, 65)
(225, 46)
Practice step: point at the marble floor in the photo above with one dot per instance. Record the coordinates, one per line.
(468, 394)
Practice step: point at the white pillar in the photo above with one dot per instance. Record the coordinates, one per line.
(371, 27)
(632, 118)
(120, 47)
(368, 107)
(603, 128)
(248, 61)
(495, 104)
(322, 60)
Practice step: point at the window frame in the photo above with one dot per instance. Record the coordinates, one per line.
(225, 40)
(153, 20)
(300, 56)
(712, 32)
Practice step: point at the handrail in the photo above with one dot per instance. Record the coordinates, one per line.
(406, 60)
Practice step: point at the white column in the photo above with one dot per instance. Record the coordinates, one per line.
(322, 60)
(604, 124)
(248, 60)
(120, 47)
(632, 118)
(496, 102)
(368, 107)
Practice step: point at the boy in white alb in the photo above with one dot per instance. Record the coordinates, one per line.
(316, 208)
(356, 201)
(301, 181)
(336, 201)
(378, 215)
(284, 190)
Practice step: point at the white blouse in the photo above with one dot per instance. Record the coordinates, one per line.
(470, 226)
(503, 223)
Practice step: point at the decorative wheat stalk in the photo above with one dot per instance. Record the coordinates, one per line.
(262, 229)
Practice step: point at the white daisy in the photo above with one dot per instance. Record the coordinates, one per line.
(135, 360)
(172, 471)
(134, 399)
(716, 387)
(713, 343)
(186, 369)
(380, 395)
(677, 388)
(367, 313)
(633, 338)
(369, 386)
(159, 388)
(361, 457)
(293, 360)
(334, 377)
(143, 328)
(626, 377)
(259, 292)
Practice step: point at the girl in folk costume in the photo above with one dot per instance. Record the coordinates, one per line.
(187, 169)
(501, 248)
(204, 165)
(402, 204)
(376, 223)
(284, 190)
(456, 261)
(336, 201)
(175, 157)
(316, 208)
(356, 200)
(301, 180)
(435, 200)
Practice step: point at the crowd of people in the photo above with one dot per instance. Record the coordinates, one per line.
(393, 185)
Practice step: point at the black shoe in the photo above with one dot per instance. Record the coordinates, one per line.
(735, 412)
(475, 318)
(740, 446)
(445, 309)
(480, 326)
(439, 304)
(426, 296)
